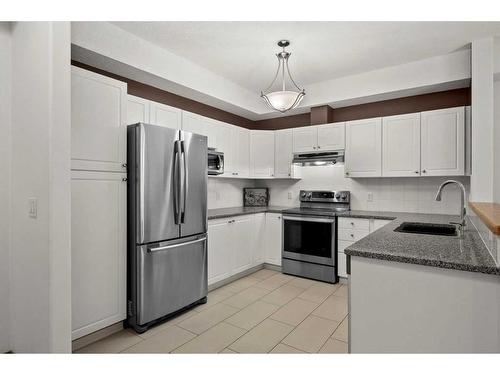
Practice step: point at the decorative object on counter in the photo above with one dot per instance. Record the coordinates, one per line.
(255, 197)
(283, 100)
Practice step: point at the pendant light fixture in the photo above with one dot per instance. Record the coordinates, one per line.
(285, 99)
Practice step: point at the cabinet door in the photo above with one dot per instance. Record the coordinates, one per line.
(225, 144)
(283, 154)
(98, 119)
(305, 139)
(331, 137)
(137, 110)
(241, 151)
(443, 142)
(220, 251)
(363, 151)
(98, 250)
(243, 239)
(401, 145)
(262, 153)
(193, 123)
(164, 115)
(259, 245)
(273, 238)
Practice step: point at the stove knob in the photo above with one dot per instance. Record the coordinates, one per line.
(337, 195)
(309, 195)
(344, 196)
(303, 194)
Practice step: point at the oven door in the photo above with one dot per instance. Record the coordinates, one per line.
(309, 239)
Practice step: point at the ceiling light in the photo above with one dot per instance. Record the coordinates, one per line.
(283, 100)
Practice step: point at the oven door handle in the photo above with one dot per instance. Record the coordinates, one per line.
(312, 219)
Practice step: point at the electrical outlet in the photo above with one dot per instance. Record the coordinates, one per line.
(369, 197)
(32, 207)
(289, 195)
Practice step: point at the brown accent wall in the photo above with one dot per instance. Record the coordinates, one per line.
(318, 115)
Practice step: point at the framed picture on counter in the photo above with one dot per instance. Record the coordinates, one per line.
(255, 197)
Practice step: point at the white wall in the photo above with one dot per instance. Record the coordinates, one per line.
(5, 140)
(40, 255)
(496, 140)
(389, 194)
(482, 121)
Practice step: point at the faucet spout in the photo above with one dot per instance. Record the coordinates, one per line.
(463, 208)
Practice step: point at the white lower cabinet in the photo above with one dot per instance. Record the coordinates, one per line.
(273, 238)
(238, 243)
(98, 250)
(351, 230)
(219, 250)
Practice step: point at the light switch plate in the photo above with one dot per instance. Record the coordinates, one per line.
(33, 207)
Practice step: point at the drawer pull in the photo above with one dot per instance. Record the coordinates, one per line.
(352, 235)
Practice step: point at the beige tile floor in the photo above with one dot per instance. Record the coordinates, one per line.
(265, 312)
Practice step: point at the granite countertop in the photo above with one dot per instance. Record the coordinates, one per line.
(466, 253)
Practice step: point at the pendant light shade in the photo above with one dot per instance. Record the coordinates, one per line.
(285, 99)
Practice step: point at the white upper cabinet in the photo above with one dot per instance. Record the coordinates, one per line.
(328, 137)
(241, 151)
(443, 142)
(98, 122)
(401, 145)
(331, 137)
(283, 154)
(305, 139)
(193, 123)
(137, 110)
(164, 115)
(225, 143)
(261, 153)
(363, 149)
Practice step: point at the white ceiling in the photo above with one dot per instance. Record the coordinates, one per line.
(243, 52)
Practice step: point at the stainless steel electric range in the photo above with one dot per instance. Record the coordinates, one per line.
(310, 235)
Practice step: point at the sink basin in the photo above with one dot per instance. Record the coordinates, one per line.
(427, 228)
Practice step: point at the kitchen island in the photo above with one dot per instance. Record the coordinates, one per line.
(416, 293)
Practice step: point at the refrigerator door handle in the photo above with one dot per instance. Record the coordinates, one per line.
(154, 249)
(177, 182)
(185, 181)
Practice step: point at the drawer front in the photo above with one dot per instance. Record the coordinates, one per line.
(342, 265)
(353, 223)
(352, 235)
(342, 244)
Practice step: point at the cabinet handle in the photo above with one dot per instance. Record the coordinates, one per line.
(124, 165)
(314, 147)
(124, 179)
(416, 172)
(424, 171)
(347, 173)
(352, 223)
(319, 147)
(352, 235)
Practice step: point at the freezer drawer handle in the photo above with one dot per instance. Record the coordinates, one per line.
(154, 249)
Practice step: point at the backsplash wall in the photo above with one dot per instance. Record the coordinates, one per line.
(226, 192)
(403, 194)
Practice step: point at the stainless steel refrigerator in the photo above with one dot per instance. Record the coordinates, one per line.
(167, 222)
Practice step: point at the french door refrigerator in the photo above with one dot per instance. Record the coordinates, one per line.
(167, 222)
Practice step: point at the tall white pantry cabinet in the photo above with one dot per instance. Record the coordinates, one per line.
(98, 199)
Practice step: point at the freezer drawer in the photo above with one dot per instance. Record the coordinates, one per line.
(171, 276)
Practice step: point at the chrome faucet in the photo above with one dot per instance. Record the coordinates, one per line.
(463, 209)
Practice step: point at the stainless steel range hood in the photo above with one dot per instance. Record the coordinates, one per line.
(318, 158)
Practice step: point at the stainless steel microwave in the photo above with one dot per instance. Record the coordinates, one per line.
(215, 162)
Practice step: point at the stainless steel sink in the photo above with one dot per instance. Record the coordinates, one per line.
(427, 228)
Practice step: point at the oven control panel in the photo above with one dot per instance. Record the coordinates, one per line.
(341, 196)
